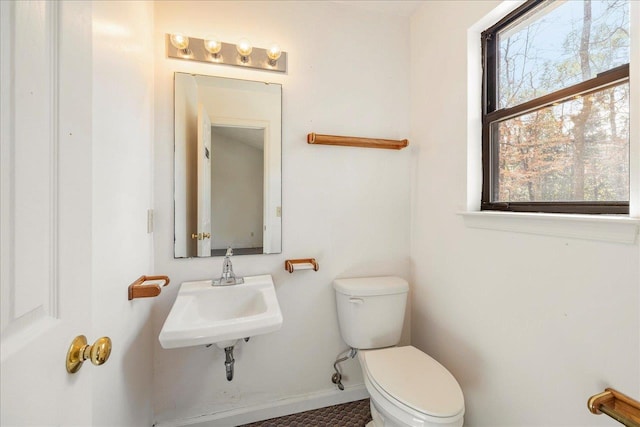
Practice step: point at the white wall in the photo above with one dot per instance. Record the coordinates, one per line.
(122, 173)
(347, 207)
(530, 325)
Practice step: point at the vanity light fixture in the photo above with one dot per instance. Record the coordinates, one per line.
(214, 51)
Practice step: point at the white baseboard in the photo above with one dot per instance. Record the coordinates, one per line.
(265, 411)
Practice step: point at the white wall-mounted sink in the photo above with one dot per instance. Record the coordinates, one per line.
(205, 314)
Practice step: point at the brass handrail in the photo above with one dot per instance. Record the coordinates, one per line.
(618, 406)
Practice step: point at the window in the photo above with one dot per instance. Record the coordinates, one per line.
(555, 128)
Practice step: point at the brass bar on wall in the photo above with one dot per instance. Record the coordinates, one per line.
(352, 141)
(618, 406)
(139, 290)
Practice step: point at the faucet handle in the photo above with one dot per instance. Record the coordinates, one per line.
(229, 251)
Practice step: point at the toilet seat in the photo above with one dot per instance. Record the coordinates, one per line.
(414, 383)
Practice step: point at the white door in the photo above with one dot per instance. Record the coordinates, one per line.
(204, 182)
(45, 244)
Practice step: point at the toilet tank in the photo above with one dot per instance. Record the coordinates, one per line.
(371, 310)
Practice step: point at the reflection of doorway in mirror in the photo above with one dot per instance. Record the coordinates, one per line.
(237, 184)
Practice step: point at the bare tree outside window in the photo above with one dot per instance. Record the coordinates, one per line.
(549, 143)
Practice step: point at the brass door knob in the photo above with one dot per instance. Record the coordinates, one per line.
(206, 236)
(79, 351)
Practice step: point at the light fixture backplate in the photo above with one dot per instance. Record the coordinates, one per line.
(228, 56)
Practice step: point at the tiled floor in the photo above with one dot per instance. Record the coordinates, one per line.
(352, 414)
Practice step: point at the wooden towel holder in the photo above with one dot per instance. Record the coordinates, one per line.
(618, 406)
(352, 141)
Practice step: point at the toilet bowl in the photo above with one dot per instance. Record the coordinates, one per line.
(407, 387)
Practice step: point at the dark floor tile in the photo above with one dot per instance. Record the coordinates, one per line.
(352, 414)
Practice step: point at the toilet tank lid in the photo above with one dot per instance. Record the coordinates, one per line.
(370, 286)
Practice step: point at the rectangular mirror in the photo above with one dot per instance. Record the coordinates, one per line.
(227, 188)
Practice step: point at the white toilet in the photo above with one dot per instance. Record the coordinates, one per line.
(407, 387)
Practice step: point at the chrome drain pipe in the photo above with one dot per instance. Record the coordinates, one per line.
(229, 361)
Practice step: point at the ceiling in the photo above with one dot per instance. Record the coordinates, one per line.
(250, 136)
(404, 8)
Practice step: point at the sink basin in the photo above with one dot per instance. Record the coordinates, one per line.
(205, 314)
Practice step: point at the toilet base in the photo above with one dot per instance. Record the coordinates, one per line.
(376, 418)
(382, 418)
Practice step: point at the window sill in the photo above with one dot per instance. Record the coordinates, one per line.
(605, 228)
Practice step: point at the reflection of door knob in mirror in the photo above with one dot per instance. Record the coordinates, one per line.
(201, 236)
(79, 351)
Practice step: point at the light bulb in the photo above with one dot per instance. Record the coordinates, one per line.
(213, 45)
(244, 48)
(179, 41)
(274, 53)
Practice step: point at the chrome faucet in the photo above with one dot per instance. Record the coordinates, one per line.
(227, 267)
(228, 277)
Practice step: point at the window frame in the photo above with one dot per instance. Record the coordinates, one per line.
(491, 114)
